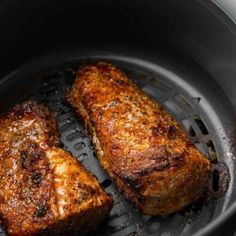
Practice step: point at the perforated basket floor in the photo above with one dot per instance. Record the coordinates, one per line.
(48, 85)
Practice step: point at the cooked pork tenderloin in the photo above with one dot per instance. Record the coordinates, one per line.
(142, 147)
(43, 189)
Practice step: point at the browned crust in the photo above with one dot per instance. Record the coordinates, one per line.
(145, 151)
(28, 121)
(85, 203)
(29, 196)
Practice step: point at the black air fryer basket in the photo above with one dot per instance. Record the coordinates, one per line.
(181, 53)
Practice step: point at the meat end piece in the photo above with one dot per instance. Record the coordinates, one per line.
(143, 148)
(82, 203)
(43, 189)
(28, 121)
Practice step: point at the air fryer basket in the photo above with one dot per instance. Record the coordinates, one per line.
(182, 53)
(201, 107)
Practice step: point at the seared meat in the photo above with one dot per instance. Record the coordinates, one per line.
(28, 121)
(82, 203)
(43, 189)
(144, 150)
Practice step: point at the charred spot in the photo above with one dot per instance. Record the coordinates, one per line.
(176, 160)
(85, 192)
(161, 163)
(35, 134)
(113, 103)
(37, 178)
(36, 155)
(86, 188)
(82, 197)
(131, 182)
(23, 160)
(41, 210)
(155, 130)
(29, 157)
(160, 129)
(32, 145)
(143, 172)
(172, 132)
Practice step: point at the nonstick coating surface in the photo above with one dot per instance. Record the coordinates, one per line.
(189, 94)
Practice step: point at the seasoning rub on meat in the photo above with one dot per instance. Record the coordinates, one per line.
(43, 189)
(142, 147)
